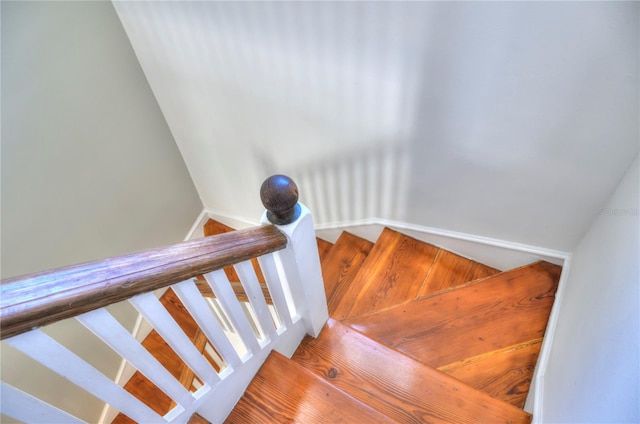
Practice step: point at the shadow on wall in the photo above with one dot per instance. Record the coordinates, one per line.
(347, 187)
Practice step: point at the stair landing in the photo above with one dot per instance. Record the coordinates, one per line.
(396, 385)
(285, 392)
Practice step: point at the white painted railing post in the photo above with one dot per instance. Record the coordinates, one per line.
(279, 195)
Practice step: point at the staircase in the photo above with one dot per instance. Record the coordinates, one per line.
(417, 334)
(409, 332)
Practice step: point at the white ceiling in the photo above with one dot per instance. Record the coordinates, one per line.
(512, 120)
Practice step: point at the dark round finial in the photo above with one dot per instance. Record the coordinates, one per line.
(279, 194)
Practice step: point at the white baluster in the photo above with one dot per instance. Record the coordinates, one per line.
(153, 311)
(191, 298)
(219, 313)
(22, 406)
(275, 285)
(254, 293)
(110, 331)
(221, 287)
(42, 348)
(286, 261)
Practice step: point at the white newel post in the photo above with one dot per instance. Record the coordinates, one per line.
(279, 195)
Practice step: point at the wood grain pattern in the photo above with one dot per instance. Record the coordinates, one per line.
(451, 270)
(42, 298)
(396, 385)
(284, 392)
(393, 273)
(341, 266)
(197, 419)
(140, 388)
(503, 310)
(323, 248)
(213, 228)
(504, 374)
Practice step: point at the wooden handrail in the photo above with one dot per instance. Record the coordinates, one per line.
(42, 298)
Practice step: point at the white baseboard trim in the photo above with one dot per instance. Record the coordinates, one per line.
(535, 400)
(196, 229)
(500, 254)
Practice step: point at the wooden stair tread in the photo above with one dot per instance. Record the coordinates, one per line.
(285, 392)
(503, 310)
(393, 273)
(450, 270)
(324, 247)
(197, 419)
(341, 265)
(396, 385)
(213, 227)
(504, 374)
(144, 390)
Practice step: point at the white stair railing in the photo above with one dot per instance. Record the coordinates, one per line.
(285, 253)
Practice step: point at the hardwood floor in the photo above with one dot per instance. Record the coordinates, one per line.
(284, 392)
(451, 270)
(323, 248)
(504, 374)
(509, 308)
(396, 385)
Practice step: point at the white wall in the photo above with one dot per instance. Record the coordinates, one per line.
(594, 373)
(89, 166)
(509, 120)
